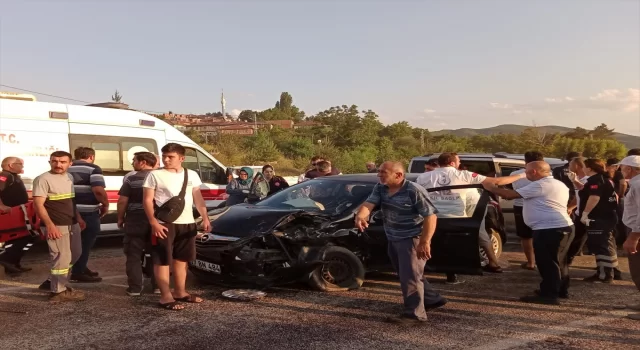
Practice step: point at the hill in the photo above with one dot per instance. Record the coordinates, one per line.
(629, 141)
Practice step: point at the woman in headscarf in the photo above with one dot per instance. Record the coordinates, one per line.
(276, 183)
(238, 188)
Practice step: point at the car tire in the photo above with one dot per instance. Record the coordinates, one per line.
(343, 271)
(496, 242)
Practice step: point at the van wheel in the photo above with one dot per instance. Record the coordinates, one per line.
(341, 271)
(496, 243)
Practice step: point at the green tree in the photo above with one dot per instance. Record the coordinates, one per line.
(602, 132)
(248, 116)
(578, 133)
(260, 148)
(117, 98)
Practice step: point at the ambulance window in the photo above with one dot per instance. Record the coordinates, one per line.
(191, 160)
(210, 172)
(108, 154)
(129, 148)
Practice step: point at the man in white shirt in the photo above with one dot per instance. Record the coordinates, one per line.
(630, 167)
(173, 241)
(545, 211)
(461, 202)
(522, 230)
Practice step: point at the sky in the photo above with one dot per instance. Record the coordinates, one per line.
(434, 63)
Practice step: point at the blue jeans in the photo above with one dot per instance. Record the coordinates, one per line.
(89, 236)
(416, 291)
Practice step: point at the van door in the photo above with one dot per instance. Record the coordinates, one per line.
(213, 176)
(506, 170)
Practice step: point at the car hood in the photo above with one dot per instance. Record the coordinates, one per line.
(245, 220)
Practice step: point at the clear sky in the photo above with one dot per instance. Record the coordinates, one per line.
(435, 63)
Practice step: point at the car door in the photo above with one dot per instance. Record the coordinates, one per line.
(506, 170)
(454, 246)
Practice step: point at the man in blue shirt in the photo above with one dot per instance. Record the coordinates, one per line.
(409, 223)
(92, 203)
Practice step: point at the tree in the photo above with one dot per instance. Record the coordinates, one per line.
(117, 98)
(577, 133)
(602, 132)
(247, 116)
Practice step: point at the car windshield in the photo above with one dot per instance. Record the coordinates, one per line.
(329, 197)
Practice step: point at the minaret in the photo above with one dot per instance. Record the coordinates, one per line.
(223, 102)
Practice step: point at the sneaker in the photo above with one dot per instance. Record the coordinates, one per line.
(84, 279)
(46, 285)
(67, 295)
(90, 273)
(157, 291)
(536, 299)
(134, 292)
(453, 280)
(405, 320)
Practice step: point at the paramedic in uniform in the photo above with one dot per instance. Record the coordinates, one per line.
(630, 168)
(13, 194)
(54, 200)
(409, 223)
(522, 230)
(598, 206)
(133, 220)
(545, 211)
(462, 202)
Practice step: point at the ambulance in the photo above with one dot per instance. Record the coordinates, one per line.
(32, 130)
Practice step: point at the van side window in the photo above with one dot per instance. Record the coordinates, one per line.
(113, 153)
(209, 171)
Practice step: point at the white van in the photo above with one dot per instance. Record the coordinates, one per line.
(33, 130)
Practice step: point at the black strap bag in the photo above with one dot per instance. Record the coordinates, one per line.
(173, 208)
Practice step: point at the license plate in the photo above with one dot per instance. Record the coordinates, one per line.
(206, 266)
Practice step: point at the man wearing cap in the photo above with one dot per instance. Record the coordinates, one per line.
(630, 167)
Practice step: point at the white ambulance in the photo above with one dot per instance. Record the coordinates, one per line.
(33, 130)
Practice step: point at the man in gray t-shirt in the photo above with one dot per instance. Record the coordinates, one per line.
(54, 201)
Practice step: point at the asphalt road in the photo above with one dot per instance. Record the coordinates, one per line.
(482, 313)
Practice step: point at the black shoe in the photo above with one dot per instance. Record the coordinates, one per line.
(561, 295)
(596, 279)
(90, 273)
(453, 280)
(23, 269)
(46, 285)
(10, 269)
(134, 292)
(441, 303)
(536, 299)
(617, 275)
(84, 279)
(405, 320)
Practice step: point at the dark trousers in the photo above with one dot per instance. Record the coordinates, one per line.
(416, 291)
(15, 249)
(579, 240)
(550, 247)
(634, 269)
(89, 236)
(601, 242)
(137, 250)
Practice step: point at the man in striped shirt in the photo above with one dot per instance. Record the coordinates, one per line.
(134, 222)
(92, 203)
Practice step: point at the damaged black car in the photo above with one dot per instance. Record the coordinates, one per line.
(306, 233)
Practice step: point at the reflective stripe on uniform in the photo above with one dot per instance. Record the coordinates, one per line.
(59, 272)
(58, 197)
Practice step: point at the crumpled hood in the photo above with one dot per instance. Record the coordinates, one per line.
(244, 220)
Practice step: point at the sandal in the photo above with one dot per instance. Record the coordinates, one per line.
(171, 306)
(526, 267)
(191, 298)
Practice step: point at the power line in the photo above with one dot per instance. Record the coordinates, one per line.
(61, 97)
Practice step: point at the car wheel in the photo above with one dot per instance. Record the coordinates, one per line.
(496, 243)
(342, 271)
